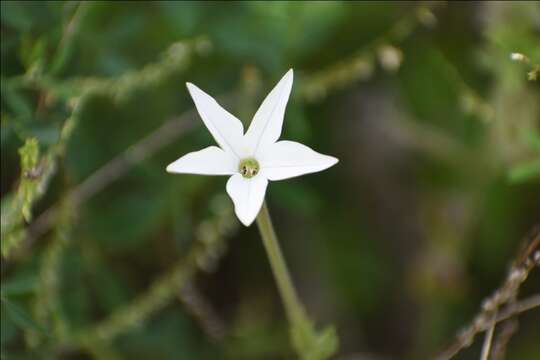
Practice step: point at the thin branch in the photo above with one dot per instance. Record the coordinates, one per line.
(518, 308)
(483, 325)
(70, 27)
(486, 348)
(203, 312)
(360, 66)
(506, 331)
(504, 297)
(119, 165)
(116, 168)
(68, 35)
(202, 255)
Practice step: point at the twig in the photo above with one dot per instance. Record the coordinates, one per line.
(202, 255)
(175, 59)
(528, 257)
(68, 35)
(202, 311)
(116, 168)
(483, 324)
(516, 309)
(488, 339)
(361, 65)
(119, 165)
(508, 328)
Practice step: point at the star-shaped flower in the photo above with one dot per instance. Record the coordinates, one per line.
(252, 158)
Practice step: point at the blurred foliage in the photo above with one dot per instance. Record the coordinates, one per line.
(16, 211)
(436, 125)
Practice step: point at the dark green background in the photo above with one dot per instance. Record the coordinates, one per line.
(396, 245)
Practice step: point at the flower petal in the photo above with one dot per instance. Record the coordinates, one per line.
(287, 159)
(226, 129)
(209, 161)
(266, 125)
(247, 196)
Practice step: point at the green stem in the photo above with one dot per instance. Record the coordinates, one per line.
(308, 343)
(293, 306)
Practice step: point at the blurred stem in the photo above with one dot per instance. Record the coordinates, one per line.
(65, 47)
(293, 306)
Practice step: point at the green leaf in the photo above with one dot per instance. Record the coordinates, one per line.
(17, 103)
(19, 316)
(14, 14)
(11, 239)
(29, 154)
(525, 172)
(32, 50)
(19, 285)
(17, 207)
(311, 345)
(532, 139)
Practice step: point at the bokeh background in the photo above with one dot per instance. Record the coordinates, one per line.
(106, 256)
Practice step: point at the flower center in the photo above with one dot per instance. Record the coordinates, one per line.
(248, 167)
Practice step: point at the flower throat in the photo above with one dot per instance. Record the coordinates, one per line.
(248, 167)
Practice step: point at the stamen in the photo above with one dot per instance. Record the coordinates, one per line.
(248, 167)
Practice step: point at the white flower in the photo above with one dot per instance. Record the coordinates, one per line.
(252, 158)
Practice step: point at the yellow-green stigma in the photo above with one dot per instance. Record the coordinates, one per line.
(248, 167)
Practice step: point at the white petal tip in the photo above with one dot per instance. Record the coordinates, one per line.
(247, 196)
(329, 162)
(245, 219)
(192, 88)
(246, 222)
(289, 74)
(170, 169)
